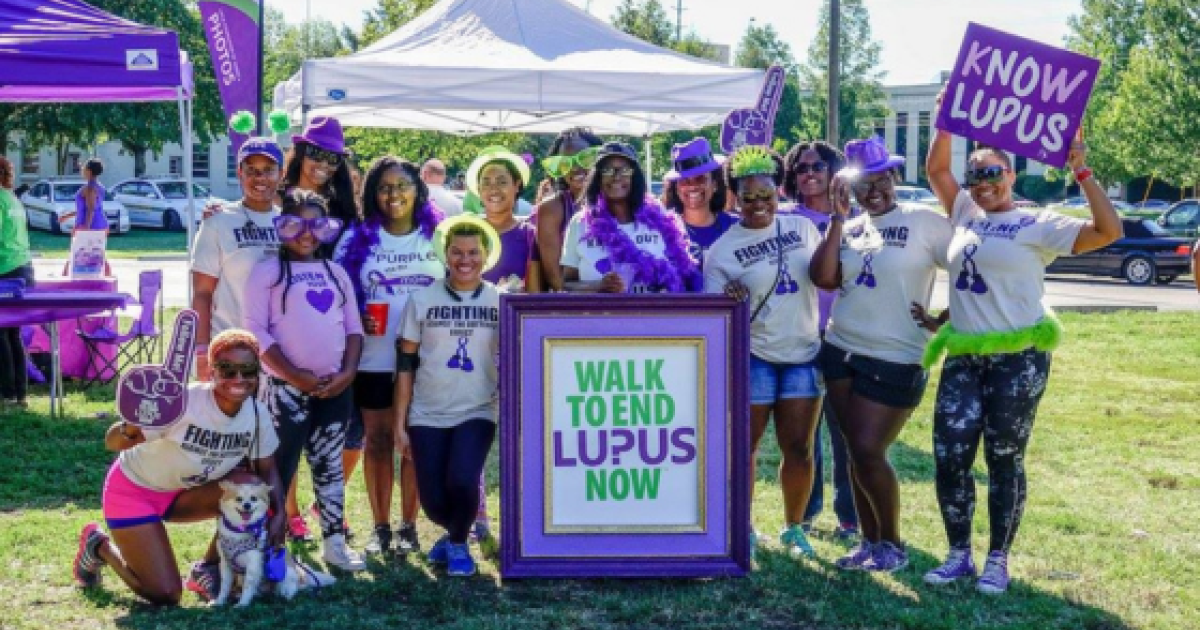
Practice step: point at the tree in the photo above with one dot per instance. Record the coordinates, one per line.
(646, 21)
(861, 101)
(287, 45)
(388, 16)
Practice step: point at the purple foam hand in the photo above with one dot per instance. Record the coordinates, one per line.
(755, 125)
(155, 396)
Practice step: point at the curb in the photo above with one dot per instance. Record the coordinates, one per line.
(1106, 308)
(162, 258)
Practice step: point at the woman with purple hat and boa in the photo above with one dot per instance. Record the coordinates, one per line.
(389, 255)
(624, 241)
(883, 262)
(696, 191)
(764, 260)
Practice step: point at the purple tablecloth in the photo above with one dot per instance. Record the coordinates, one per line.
(40, 307)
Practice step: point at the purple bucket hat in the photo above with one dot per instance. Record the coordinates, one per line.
(324, 132)
(692, 158)
(870, 156)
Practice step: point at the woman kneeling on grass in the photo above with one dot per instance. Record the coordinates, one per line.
(446, 384)
(173, 475)
(998, 340)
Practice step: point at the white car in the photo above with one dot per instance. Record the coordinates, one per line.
(916, 194)
(50, 206)
(162, 203)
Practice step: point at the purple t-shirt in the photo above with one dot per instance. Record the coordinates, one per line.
(821, 220)
(99, 221)
(516, 250)
(702, 238)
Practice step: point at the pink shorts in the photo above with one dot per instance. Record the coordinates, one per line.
(126, 504)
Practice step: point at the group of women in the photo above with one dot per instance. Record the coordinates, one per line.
(380, 308)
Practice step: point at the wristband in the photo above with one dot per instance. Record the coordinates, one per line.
(837, 216)
(1082, 175)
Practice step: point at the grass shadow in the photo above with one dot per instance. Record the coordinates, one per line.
(62, 461)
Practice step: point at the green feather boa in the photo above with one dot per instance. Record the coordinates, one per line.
(1044, 335)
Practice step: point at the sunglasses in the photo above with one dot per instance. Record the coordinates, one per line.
(864, 185)
(766, 196)
(318, 154)
(253, 173)
(388, 189)
(289, 227)
(559, 166)
(227, 370)
(614, 172)
(813, 167)
(988, 174)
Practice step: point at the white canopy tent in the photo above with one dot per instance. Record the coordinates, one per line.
(536, 66)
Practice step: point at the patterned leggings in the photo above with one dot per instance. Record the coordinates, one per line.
(994, 397)
(316, 427)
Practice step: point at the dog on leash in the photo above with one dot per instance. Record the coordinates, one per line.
(242, 544)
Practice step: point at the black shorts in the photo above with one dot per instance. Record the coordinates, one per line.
(374, 390)
(900, 385)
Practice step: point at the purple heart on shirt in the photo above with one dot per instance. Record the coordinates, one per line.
(604, 265)
(320, 300)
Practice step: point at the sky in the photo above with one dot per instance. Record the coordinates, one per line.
(920, 38)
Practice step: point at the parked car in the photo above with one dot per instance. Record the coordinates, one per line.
(1072, 202)
(50, 205)
(162, 202)
(1147, 253)
(1152, 204)
(916, 194)
(1182, 218)
(1021, 202)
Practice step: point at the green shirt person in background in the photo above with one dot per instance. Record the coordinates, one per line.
(15, 262)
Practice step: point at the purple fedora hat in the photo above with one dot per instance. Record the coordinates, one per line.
(870, 156)
(692, 158)
(324, 132)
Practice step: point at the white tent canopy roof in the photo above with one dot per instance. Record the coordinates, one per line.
(537, 66)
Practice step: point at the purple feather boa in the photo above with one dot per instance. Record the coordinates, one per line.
(365, 237)
(676, 274)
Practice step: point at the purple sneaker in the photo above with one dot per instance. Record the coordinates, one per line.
(958, 566)
(857, 557)
(995, 574)
(887, 558)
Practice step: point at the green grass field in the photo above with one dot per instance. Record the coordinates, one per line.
(1111, 536)
(133, 244)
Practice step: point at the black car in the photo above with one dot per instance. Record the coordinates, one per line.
(1146, 254)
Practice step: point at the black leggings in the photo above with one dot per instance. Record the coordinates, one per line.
(14, 380)
(448, 464)
(317, 428)
(994, 397)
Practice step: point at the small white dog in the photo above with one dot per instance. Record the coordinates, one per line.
(242, 543)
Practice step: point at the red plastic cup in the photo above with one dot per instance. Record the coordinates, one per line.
(378, 310)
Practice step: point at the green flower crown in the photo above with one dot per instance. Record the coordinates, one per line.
(752, 160)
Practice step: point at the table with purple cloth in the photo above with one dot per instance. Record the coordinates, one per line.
(73, 352)
(50, 304)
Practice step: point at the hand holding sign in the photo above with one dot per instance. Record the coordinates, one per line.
(755, 125)
(155, 396)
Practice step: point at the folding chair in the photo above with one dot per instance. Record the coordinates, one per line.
(140, 344)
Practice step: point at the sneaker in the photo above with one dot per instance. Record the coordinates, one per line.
(298, 529)
(88, 562)
(795, 542)
(204, 579)
(459, 562)
(381, 540)
(995, 574)
(846, 532)
(407, 542)
(958, 566)
(856, 558)
(481, 530)
(440, 554)
(886, 558)
(338, 554)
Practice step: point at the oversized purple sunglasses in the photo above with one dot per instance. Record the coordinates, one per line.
(289, 227)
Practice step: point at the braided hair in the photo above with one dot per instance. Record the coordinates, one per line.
(294, 202)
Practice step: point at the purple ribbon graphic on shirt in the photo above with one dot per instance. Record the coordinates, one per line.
(969, 277)
(380, 281)
(460, 360)
(787, 284)
(866, 277)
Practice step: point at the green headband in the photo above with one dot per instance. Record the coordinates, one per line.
(752, 160)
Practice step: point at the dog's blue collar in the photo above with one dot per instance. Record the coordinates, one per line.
(255, 528)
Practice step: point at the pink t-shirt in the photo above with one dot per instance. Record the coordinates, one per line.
(321, 313)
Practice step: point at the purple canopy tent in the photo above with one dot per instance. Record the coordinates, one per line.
(67, 51)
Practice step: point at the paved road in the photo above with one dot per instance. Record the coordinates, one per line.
(1062, 292)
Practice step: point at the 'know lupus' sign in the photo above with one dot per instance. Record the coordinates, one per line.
(1017, 94)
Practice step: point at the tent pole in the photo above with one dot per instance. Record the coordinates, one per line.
(649, 159)
(185, 131)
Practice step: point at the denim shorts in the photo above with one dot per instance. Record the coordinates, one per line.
(772, 382)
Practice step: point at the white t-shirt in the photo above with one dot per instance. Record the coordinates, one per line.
(785, 330)
(460, 338)
(228, 246)
(888, 262)
(998, 262)
(395, 269)
(203, 446)
(446, 201)
(592, 259)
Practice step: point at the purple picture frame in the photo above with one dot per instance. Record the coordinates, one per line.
(722, 549)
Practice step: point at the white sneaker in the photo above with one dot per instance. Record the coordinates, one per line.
(337, 553)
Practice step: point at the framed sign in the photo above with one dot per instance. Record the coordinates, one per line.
(624, 429)
(1017, 94)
